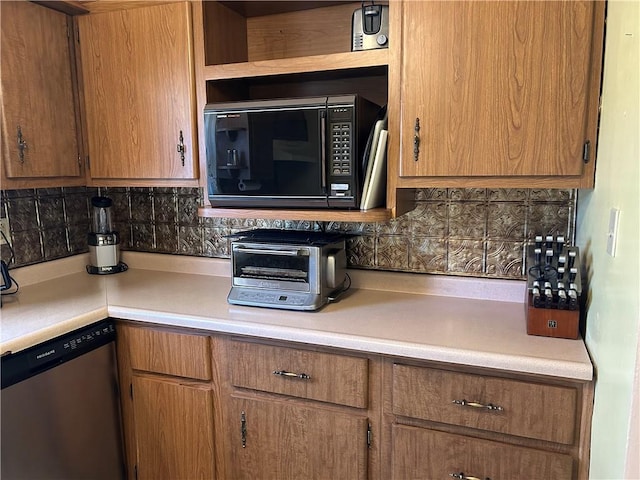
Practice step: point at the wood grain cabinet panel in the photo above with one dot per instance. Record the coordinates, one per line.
(167, 397)
(170, 353)
(139, 90)
(285, 440)
(326, 377)
(420, 453)
(532, 410)
(39, 135)
(174, 430)
(498, 89)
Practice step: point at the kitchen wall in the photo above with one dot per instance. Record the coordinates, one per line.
(613, 316)
(477, 232)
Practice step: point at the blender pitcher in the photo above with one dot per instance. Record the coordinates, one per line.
(104, 242)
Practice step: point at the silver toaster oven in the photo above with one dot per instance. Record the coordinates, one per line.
(289, 269)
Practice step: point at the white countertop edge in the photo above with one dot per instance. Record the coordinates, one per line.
(60, 328)
(530, 365)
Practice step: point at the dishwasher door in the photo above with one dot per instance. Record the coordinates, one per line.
(60, 409)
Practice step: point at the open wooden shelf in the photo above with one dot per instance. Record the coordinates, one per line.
(365, 216)
(285, 66)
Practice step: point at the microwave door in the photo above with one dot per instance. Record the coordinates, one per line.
(295, 143)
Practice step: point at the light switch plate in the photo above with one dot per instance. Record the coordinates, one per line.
(4, 226)
(612, 234)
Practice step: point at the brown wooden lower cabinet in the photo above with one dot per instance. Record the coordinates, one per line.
(174, 429)
(206, 406)
(167, 403)
(420, 453)
(274, 439)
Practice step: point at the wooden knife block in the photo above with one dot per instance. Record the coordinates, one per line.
(551, 322)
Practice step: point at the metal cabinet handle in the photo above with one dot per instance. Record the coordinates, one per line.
(243, 429)
(284, 373)
(416, 140)
(466, 403)
(22, 145)
(181, 148)
(462, 476)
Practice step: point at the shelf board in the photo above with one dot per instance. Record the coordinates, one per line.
(367, 216)
(284, 66)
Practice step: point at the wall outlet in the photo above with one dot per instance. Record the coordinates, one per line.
(4, 227)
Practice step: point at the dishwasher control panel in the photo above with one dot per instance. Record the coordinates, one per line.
(26, 363)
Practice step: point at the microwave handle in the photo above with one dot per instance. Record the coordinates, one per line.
(323, 149)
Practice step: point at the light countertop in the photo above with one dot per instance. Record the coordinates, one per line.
(447, 319)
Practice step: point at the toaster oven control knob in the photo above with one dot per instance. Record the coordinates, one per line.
(382, 39)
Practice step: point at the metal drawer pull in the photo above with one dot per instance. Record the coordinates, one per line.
(462, 476)
(489, 406)
(284, 373)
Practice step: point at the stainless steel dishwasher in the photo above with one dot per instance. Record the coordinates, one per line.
(60, 408)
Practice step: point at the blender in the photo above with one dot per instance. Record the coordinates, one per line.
(104, 242)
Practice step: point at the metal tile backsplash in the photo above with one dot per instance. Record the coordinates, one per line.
(476, 232)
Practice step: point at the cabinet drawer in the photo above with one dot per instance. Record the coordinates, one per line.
(420, 453)
(169, 353)
(520, 408)
(319, 376)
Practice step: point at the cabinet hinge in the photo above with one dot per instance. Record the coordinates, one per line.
(68, 32)
(135, 471)
(131, 390)
(369, 435)
(88, 163)
(586, 150)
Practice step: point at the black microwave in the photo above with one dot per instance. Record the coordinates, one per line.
(288, 153)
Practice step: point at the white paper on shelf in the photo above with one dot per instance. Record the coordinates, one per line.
(373, 193)
(380, 124)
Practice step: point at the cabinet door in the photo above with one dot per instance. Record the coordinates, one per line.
(138, 79)
(38, 108)
(426, 454)
(498, 88)
(174, 429)
(273, 440)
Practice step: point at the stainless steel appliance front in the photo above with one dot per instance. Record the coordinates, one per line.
(287, 269)
(60, 409)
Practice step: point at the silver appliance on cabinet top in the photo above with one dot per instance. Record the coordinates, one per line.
(370, 27)
(289, 269)
(104, 241)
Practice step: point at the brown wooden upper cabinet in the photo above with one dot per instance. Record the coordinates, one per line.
(39, 134)
(139, 92)
(501, 94)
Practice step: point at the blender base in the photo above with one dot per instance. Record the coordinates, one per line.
(106, 270)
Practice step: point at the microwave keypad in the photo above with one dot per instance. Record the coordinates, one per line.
(340, 148)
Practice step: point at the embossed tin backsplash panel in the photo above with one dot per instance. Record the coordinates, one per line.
(476, 232)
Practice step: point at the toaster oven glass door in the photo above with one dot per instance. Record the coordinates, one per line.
(275, 267)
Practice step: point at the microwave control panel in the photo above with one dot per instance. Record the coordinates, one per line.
(341, 148)
(342, 151)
